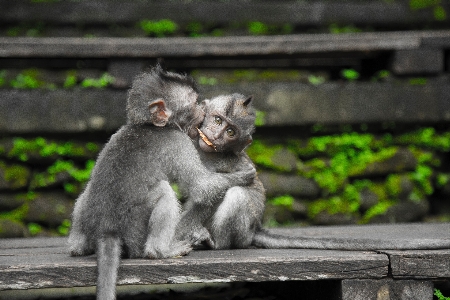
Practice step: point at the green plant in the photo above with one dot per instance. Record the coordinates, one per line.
(16, 175)
(439, 295)
(28, 79)
(71, 80)
(176, 189)
(260, 118)
(376, 210)
(263, 154)
(218, 32)
(336, 29)
(64, 228)
(347, 203)
(316, 80)
(350, 74)
(62, 166)
(2, 77)
(29, 29)
(258, 28)
(159, 28)
(101, 82)
(23, 148)
(285, 201)
(381, 75)
(34, 228)
(17, 214)
(438, 11)
(203, 80)
(426, 137)
(418, 81)
(442, 179)
(195, 29)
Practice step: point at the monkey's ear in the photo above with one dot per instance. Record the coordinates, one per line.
(159, 113)
(248, 100)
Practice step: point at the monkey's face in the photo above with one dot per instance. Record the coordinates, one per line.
(226, 127)
(218, 134)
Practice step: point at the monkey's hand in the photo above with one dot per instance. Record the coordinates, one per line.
(157, 250)
(191, 230)
(245, 174)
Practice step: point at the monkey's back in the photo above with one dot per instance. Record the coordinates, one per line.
(119, 199)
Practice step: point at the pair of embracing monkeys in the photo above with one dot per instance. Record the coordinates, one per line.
(129, 209)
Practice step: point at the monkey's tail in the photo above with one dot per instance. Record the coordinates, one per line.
(265, 239)
(108, 259)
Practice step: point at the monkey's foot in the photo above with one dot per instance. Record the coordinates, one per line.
(78, 245)
(165, 251)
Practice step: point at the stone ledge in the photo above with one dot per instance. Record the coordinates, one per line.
(304, 13)
(43, 266)
(284, 104)
(220, 46)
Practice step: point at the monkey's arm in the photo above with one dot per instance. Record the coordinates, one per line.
(204, 195)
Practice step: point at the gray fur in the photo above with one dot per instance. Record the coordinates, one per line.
(128, 207)
(236, 222)
(237, 216)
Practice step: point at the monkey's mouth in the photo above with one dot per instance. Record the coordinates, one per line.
(206, 140)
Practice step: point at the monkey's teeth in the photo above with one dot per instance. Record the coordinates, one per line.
(205, 139)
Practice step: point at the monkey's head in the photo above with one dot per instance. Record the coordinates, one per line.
(228, 125)
(164, 98)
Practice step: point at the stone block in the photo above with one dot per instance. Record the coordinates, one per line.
(11, 229)
(418, 61)
(386, 289)
(13, 176)
(79, 110)
(281, 184)
(367, 199)
(49, 208)
(11, 201)
(45, 180)
(284, 104)
(405, 211)
(124, 71)
(285, 160)
(402, 161)
(325, 218)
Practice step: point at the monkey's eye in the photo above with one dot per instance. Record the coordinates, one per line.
(230, 132)
(217, 120)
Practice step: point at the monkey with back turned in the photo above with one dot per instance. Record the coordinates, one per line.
(128, 207)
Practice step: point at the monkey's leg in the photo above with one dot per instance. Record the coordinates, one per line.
(162, 224)
(236, 219)
(78, 244)
(78, 240)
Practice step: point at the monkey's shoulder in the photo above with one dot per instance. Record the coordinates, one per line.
(138, 136)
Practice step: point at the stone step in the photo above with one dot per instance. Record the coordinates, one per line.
(282, 104)
(221, 46)
(303, 13)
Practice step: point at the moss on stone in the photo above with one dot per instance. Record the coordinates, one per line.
(269, 156)
(346, 203)
(17, 214)
(376, 210)
(23, 149)
(15, 175)
(11, 228)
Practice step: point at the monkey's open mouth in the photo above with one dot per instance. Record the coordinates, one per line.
(205, 139)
